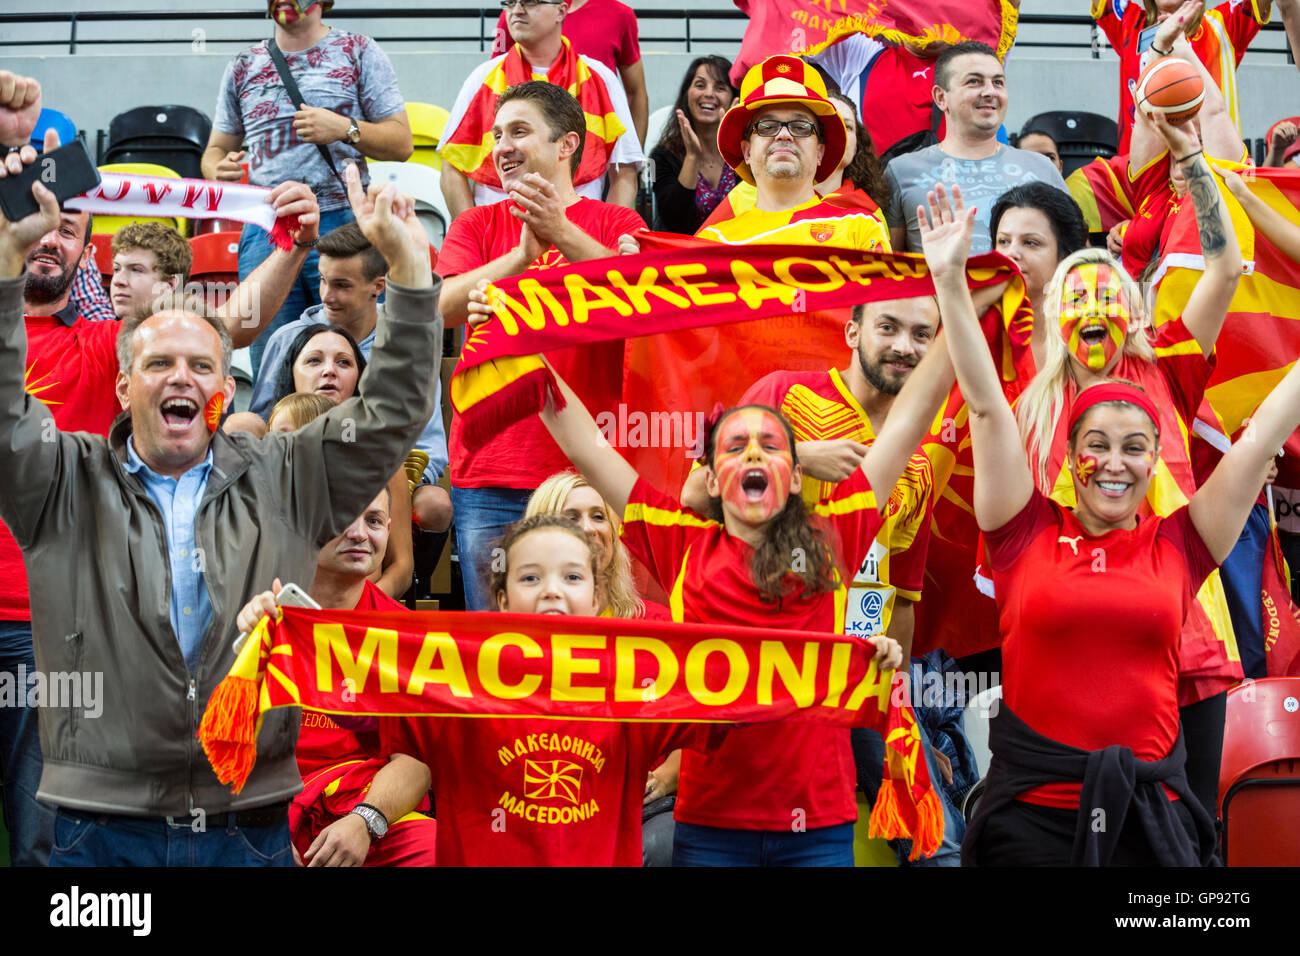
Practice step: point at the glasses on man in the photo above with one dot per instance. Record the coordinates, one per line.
(799, 128)
(530, 4)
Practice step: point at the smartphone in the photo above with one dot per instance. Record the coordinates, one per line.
(293, 596)
(1146, 37)
(67, 172)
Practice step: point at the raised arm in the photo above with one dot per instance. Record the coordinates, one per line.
(30, 458)
(1003, 482)
(257, 299)
(1221, 505)
(1207, 306)
(575, 431)
(1276, 228)
(344, 457)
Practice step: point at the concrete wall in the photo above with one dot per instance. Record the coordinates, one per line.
(102, 80)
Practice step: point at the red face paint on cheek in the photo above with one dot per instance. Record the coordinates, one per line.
(1085, 466)
(212, 411)
(1150, 459)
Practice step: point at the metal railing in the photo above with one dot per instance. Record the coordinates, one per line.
(681, 26)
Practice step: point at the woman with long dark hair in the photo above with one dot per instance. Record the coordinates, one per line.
(691, 177)
(324, 360)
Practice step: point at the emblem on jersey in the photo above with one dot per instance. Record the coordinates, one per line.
(872, 604)
(821, 232)
(549, 779)
(1072, 542)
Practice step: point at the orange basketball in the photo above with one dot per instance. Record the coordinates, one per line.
(1172, 86)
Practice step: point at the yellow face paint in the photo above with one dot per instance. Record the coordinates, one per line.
(1093, 300)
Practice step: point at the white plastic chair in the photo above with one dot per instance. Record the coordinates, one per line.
(424, 184)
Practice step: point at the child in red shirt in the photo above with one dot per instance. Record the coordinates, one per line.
(539, 792)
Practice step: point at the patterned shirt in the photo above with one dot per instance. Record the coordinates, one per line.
(344, 72)
(88, 295)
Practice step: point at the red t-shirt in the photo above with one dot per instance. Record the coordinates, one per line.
(72, 368)
(896, 97)
(537, 792)
(524, 455)
(1091, 628)
(1153, 198)
(1220, 42)
(604, 30)
(762, 774)
(323, 743)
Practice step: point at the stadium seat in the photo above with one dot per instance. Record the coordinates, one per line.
(103, 243)
(172, 136)
(656, 124)
(427, 123)
(111, 224)
(424, 185)
(1259, 776)
(216, 257)
(53, 119)
(1080, 137)
(201, 227)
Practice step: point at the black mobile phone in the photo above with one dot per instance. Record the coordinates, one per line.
(67, 171)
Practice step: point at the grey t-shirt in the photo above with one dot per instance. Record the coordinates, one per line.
(345, 72)
(982, 181)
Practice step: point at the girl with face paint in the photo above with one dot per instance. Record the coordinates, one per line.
(760, 561)
(1092, 602)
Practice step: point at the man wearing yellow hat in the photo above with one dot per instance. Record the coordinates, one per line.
(782, 136)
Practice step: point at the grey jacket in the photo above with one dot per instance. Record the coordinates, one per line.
(100, 580)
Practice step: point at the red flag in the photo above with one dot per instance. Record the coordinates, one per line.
(803, 26)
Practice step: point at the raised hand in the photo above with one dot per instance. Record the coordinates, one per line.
(20, 108)
(538, 204)
(387, 218)
(1181, 137)
(946, 232)
(17, 237)
(256, 609)
(1173, 27)
(296, 199)
(690, 142)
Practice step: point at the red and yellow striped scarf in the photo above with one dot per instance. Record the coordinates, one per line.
(469, 149)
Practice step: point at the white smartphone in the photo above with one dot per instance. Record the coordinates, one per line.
(293, 596)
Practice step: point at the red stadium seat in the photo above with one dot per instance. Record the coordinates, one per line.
(1259, 777)
(201, 227)
(103, 255)
(216, 257)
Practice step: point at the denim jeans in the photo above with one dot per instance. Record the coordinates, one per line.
(481, 516)
(89, 839)
(254, 247)
(30, 823)
(695, 845)
(869, 756)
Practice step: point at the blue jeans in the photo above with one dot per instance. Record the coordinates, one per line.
(869, 756)
(695, 845)
(254, 247)
(30, 823)
(87, 839)
(481, 516)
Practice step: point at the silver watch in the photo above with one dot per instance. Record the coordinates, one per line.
(354, 132)
(376, 822)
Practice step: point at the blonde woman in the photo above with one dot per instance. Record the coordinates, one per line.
(569, 494)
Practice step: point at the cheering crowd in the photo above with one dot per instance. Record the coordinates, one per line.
(147, 524)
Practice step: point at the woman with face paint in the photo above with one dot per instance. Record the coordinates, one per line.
(1087, 755)
(761, 560)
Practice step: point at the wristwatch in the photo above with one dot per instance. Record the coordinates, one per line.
(376, 822)
(354, 132)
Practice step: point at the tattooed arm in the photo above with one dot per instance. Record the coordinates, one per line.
(1207, 306)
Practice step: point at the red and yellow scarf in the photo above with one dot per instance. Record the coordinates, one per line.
(456, 665)
(469, 149)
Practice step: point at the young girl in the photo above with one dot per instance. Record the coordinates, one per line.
(534, 791)
(780, 793)
(1092, 601)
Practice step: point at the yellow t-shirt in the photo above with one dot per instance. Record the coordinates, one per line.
(804, 225)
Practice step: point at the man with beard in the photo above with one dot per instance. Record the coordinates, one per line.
(72, 367)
